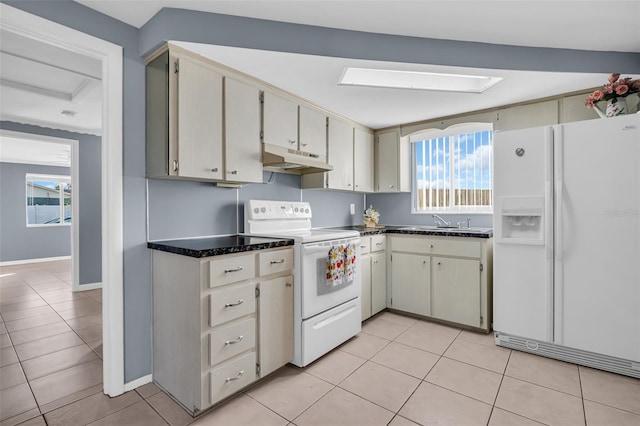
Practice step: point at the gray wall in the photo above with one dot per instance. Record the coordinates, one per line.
(17, 241)
(90, 231)
(395, 209)
(172, 24)
(186, 209)
(137, 259)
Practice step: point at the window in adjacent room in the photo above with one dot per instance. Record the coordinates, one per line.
(48, 200)
(452, 169)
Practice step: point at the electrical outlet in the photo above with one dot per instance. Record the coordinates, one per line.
(352, 209)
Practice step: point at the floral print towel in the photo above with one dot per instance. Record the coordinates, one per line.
(341, 264)
(350, 262)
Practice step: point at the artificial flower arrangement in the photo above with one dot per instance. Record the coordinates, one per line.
(616, 88)
(371, 217)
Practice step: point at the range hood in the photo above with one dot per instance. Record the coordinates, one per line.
(293, 161)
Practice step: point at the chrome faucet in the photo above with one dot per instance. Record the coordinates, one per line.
(468, 221)
(440, 222)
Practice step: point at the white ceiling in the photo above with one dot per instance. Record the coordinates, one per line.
(28, 151)
(544, 23)
(38, 81)
(610, 25)
(315, 79)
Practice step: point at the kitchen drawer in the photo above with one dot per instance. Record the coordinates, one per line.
(437, 246)
(365, 245)
(227, 270)
(228, 341)
(378, 243)
(230, 303)
(232, 377)
(272, 262)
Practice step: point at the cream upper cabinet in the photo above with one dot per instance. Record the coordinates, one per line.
(312, 132)
(200, 124)
(363, 155)
(392, 162)
(280, 121)
(387, 161)
(243, 153)
(198, 120)
(340, 155)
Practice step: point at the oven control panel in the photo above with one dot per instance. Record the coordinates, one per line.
(270, 210)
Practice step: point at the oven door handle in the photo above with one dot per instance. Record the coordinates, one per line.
(316, 249)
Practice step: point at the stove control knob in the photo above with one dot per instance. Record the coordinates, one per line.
(256, 210)
(306, 210)
(263, 209)
(297, 209)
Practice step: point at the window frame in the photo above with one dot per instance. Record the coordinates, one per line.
(431, 133)
(60, 179)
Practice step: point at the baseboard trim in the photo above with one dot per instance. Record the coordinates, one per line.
(138, 382)
(89, 286)
(40, 260)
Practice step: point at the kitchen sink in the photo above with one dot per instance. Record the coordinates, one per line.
(445, 229)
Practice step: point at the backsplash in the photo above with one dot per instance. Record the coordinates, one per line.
(180, 209)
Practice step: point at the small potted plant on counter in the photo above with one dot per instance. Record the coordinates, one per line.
(371, 217)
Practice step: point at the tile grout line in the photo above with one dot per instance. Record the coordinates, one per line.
(28, 381)
(495, 399)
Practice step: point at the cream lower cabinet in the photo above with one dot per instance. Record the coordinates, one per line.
(219, 323)
(373, 274)
(446, 278)
(411, 283)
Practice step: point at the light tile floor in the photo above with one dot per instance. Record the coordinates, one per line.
(399, 371)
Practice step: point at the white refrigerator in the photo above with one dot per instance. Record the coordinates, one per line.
(566, 267)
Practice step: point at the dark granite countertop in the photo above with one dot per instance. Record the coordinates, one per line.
(217, 246)
(422, 230)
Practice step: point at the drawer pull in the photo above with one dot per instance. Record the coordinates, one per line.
(363, 246)
(234, 341)
(229, 305)
(431, 246)
(274, 262)
(288, 284)
(233, 379)
(378, 244)
(238, 269)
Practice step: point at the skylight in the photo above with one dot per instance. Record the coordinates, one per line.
(417, 80)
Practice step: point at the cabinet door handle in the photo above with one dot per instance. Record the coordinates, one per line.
(363, 246)
(229, 305)
(390, 186)
(288, 284)
(424, 262)
(348, 184)
(375, 262)
(378, 244)
(214, 170)
(292, 141)
(232, 379)
(274, 262)
(175, 165)
(234, 341)
(305, 144)
(233, 172)
(431, 246)
(439, 264)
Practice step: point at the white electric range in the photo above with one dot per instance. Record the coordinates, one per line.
(325, 314)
